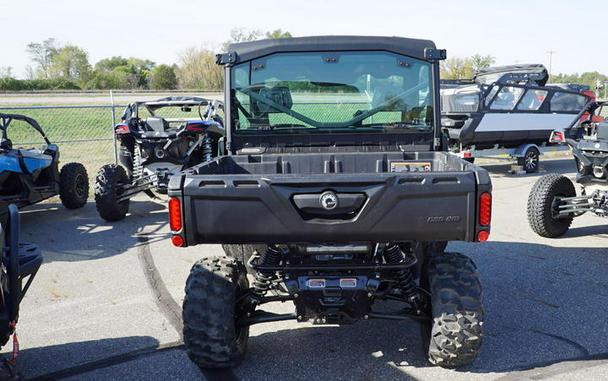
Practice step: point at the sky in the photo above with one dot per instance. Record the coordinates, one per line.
(513, 31)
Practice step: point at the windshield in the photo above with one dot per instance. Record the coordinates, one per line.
(329, 91)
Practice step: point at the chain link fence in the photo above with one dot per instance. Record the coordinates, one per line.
(81, 124)
(84, 134)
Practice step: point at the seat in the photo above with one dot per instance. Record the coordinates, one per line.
(6, 144)
(157, 124)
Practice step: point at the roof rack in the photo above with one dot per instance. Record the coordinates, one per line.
(522, 74)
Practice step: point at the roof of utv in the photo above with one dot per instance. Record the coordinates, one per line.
(246, 51)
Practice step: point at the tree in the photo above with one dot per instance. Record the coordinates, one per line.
(465, 68)
(42, 54)
(105, 80)
(588, 78)
(242, 35)
(123, 73)
(278, 33)
(72, 63)
(482, 62)
(6, 72)
(198, 70)
(457, 68)
(109, 64)
(163, 77)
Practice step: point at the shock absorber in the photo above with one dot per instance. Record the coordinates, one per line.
(406, 281)
(263, 279)
(207, 149)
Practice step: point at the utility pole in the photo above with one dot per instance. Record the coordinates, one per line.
(550, 53)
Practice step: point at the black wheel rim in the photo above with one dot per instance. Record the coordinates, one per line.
(80, 186)
(555, 206)
(530, 161)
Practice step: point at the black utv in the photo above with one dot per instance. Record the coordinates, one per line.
(336, 194)
(157, 139)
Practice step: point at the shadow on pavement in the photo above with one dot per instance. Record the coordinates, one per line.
(72, 359)
(562, 166)
(544, 305)
(76, 235)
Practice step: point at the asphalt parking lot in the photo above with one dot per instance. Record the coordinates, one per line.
(106, 305)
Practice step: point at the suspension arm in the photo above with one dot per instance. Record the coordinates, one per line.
(569, 206)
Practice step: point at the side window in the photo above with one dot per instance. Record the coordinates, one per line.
(532, 100)
(567, 102)
(491, 94)
(507, 98)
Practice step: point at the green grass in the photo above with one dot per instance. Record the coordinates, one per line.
(83, 135)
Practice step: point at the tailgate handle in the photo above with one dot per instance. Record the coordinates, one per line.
(450, 180)
(329, 204)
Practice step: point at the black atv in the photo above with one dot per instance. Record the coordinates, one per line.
(157, 139)
(30, 175)
(553, 202)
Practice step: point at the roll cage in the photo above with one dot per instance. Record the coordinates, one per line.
(132, 110)
(424, 50)
(6, 119)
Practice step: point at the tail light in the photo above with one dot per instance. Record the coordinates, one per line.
(175, 214)
(195, 127)
(121, 129)
(482, 236)
(485, 216)
(557, 137)
(485, 209)
(177, 240)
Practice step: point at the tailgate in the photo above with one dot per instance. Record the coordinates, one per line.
(289, 208)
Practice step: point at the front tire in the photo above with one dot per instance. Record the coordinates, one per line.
(542, 203)
(454, 336)
(73, 185)
(110, 179)
(210, 312)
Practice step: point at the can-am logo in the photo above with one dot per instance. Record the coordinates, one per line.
(328, 200)
(442, 219)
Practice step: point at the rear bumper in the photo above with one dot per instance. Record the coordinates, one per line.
(439, 206)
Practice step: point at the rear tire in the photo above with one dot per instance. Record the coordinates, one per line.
(73, 185)
(531, 160)
(107, 190)
(541, 205)
(454, 336)
(210, 312)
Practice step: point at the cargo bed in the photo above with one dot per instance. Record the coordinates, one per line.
(379, 197)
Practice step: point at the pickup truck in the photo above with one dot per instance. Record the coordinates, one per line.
(335, 191)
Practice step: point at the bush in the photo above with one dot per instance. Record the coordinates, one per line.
(163, 77)
(12, 84)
